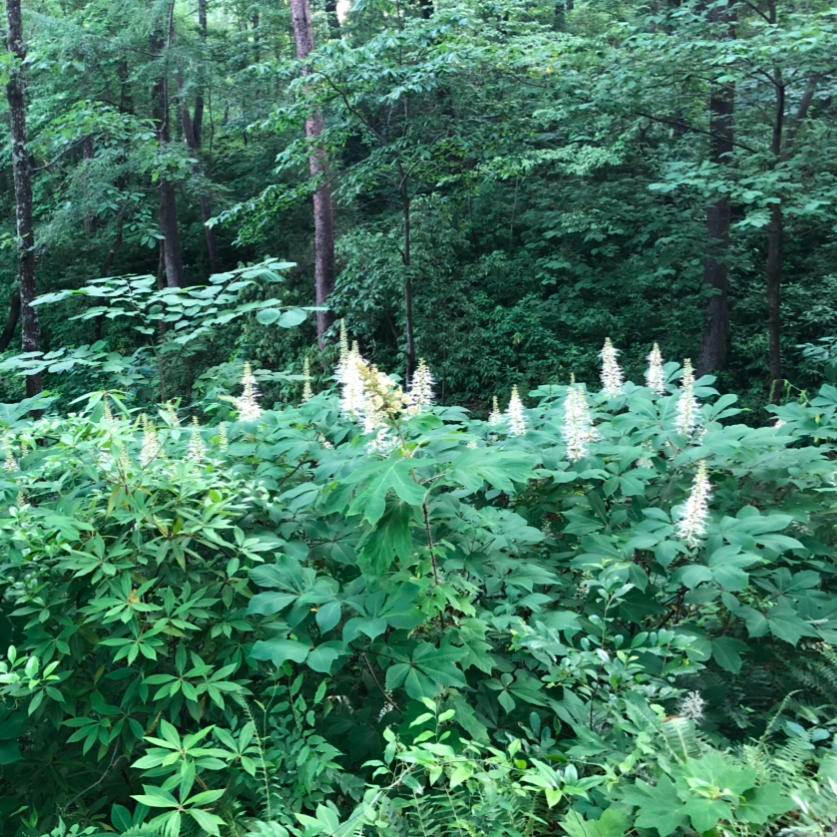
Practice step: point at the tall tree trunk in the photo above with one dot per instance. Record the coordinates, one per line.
(205, 203)
(782, 150)
(713, 354)
(324, 271)
(11, 323)
(331, 16)
(16, 93)
(197, 121)
(407, 257)
(126, 90)
(88, 151)
(775, 246)
(169, 227)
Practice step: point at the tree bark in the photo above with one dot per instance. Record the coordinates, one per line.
(775, 246)
(324, 271)
(406, 207)
(713, 354)
(11, 323)
(197, 121)
(205, 203)
(22, 171)
(169, 227)
(331, 16)
(89, 152)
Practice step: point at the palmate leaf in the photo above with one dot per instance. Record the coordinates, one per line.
(659, 805)
(500, 469)
(429, 670)
(763, 803)
(377, 478)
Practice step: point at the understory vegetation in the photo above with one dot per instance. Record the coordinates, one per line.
(597, 612)
(418, 418)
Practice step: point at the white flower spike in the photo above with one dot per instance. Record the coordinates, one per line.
(353, 395)
(307, 392)
(150, 444)
(655, 376)
(248, 405)
(578, 429)
(517, 420)
(197, 448)
(421, 392)
(692, 525)
(495, 419)
(612, 378)
(688, 407)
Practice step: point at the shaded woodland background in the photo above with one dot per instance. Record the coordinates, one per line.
(512, 182)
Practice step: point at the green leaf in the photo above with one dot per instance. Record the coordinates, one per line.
(705, 814)
(787, 625)
(378, 478)
(292, 317)
(322, 657)
(328, 616)
(726, 651)
(659, 805)
(763, 803)
(279, 651)
(268, 316)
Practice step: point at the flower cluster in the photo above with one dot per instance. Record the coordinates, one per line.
(514, 414)
(372, 397)
(352, 395)
(307, 392)
(421, 392)
(247, 404)
(495, 418)
(197, 448)
(692, 707)
(612, 377)
(11, 463)
(655, 376)
(578, 430)
(692, 525)
(150, 443)
(687, 406)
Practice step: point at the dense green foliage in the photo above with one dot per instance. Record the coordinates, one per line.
(555, 166)
(252, 585)
(476, 626)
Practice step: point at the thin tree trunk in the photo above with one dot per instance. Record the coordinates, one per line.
(197, 121)
(11, 323)
(331, 16)
(775, 246)
(169, 227)
(406, 206)
(16, 93)
(324, 271)
(108, 264)
(713, 355)
(126, 92)
(89, 152)
(205, 203)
